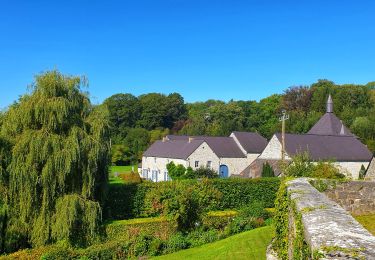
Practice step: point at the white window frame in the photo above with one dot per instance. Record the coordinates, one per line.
(196, 164)
(209, 164)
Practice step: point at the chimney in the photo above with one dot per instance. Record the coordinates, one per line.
(164, 139)
(329, 104)
(190, 139)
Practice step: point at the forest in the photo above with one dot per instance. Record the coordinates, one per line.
(136, 122)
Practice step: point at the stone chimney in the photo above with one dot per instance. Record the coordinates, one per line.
(329, 104)
(164, 139)
(190, 139)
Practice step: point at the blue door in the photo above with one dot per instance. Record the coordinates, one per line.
(223, 171)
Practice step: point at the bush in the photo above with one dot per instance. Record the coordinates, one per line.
(301, 166)
(238, 193)
(183, 202)
(267, 170)
(177, 242)
(130, 177)
(326, 170)
(128, 200)
(158, 227)
(203, 172)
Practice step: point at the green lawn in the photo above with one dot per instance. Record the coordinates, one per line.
(247, 245)
(367, 221)
(120, 169)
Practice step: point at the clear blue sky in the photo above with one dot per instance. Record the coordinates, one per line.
(199, 48)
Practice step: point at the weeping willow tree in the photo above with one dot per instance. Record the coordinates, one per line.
(57, 173)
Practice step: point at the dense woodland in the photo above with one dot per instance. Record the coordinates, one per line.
(136, 122)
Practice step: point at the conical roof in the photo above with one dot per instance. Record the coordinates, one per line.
(329, 124)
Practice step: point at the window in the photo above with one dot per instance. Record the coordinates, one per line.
(209, 163)
(145, 174)
(196, 164)
(166, 175)
(155, 160)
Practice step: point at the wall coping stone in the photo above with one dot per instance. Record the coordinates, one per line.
(328, 226)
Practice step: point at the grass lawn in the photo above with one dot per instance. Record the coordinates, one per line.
(247, 245)
(120, 169)
(367, 221)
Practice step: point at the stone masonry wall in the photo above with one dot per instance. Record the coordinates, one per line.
(357, 197)
(328, 228)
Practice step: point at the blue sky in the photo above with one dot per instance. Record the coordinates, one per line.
(202, 49)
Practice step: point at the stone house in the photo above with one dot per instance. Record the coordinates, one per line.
(227, 155)
(328, 139)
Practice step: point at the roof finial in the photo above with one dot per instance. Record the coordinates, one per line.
(329, 104)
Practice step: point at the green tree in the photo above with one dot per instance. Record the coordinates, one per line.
(137, 140)
(58, 170)
(124, 111)
(267, 170)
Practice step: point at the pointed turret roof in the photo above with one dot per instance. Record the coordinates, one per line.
(329, 124)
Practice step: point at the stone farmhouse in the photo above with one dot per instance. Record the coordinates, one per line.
(227, 155)
(328, 139)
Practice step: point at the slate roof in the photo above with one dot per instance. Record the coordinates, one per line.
(251, 142)
(329, 124)
(327, 147)
(179, 149)
(223, 147)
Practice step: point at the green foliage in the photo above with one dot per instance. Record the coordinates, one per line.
(326, 170)
(267, 170)
(122, 155)
(238, 193)
(362, 172)
(183, 202)
(286, 242)
(59, 146)
(179, 172)
(130, 177)
(302, 166)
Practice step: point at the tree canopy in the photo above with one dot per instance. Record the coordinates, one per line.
(56, 173)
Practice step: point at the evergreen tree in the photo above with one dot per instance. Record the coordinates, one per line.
(267, 170)
(58, 168)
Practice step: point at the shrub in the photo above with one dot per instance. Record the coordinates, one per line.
(128, 200)
(255, 209)
(301, 166)
(267, 170)
(131, 177)
(326, 170)
(204, 172)
(158, 227)
(238, 193)
(183, 202)
(177, 242)
(362, 172)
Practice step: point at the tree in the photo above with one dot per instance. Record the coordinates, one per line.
(154, 111)
(297, 98)
(137, 140)
(124, 111)
(267, 170)
(58, 170)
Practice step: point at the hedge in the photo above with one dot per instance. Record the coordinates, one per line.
(127, 200)
(127, 229)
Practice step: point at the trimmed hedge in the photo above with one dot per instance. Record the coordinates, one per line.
(127, 200)
(127, 229)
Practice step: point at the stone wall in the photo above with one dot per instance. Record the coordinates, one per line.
(357, 197)
(370, 174)
(329, 231)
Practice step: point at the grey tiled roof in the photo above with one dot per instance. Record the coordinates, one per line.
(329, 124)
(251, 142)
(223, 147)
(179, 149)
(327, 147)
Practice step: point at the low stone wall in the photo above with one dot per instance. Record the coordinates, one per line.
(357, 197)
(329, 231)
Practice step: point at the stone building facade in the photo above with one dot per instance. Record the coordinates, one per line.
(226, 155)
